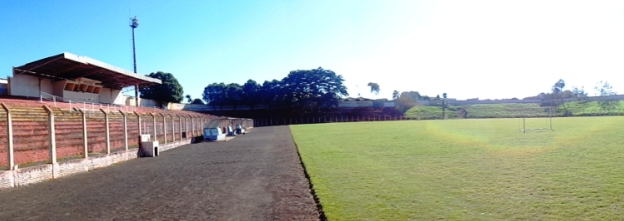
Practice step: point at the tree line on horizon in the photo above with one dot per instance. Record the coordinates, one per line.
(321, 89)
(311, 90)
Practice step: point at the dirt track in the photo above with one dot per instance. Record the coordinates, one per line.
(257, 176)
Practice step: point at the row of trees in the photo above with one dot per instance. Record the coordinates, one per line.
(557, 94)
(316, 89)
(310, 90)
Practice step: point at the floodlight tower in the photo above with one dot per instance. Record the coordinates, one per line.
(134, 23)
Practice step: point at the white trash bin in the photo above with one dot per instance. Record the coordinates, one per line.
(148, 147)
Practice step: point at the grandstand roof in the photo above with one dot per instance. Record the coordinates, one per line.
(67, 66)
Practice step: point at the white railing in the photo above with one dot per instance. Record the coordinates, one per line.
(46, 96)
(85, 106)
(94, 107)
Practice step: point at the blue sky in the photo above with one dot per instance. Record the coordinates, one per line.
(468, 49)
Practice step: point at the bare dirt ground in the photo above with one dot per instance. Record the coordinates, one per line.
(257, 176)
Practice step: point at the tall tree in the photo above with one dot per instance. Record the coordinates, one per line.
(234, 94)
(215, 94)
(395, 94)
(579, 93)
(374, 87)
(605, 89)
(443, 105)
(250, 93)
(169, 91)
(407, 100)
(318, 88)
(197, 101)
(271, 93)
(557, 90)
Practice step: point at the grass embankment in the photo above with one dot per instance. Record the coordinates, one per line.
(513, 110)
(479, 169)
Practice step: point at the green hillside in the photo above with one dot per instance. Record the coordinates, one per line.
(513, 110)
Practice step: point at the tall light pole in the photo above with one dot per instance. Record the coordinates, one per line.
(134, 24)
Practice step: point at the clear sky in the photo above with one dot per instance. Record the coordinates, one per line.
(468, 49)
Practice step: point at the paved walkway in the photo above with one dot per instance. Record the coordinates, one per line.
(257, 176)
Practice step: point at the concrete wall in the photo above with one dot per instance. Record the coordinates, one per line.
(40, 173)
(355, 104)
(29, 86)
(148, 103)
(112, 96)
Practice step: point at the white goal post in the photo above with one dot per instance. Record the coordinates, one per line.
(537, 119)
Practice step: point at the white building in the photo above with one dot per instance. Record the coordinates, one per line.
(68, 77)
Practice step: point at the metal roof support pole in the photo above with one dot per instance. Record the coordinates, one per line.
(9, 122)
(51, 135)
(137, 102)
(84, 134)
(125, 125)
(108, 147)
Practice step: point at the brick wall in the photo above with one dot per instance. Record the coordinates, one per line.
(31, 138)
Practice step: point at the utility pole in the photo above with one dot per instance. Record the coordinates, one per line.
(134, 23)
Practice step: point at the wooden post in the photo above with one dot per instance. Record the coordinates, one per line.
(172, 128)
(193, 126)
(180, 126)
(84, 133)
(108, 147)
(51, 134)
(125, 125)
(154, 124)
(164, 127)
(9, 120)
(186, 127)
(139, 123)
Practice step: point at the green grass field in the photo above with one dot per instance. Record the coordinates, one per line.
(474, 169)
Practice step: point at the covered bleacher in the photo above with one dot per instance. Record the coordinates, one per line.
(72, 78)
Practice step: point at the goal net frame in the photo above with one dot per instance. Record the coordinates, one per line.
(550, 110)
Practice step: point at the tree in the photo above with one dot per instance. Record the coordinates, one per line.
(215, 94)
(197, 101)
(316, 88)
(169, 91)
(374, 88)
(250, 93)
(234, 94)
(443, 105)
(188, 98)
(395, 94)
(605, 89)
(557, 90)
(579, 93)
(407, 100)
